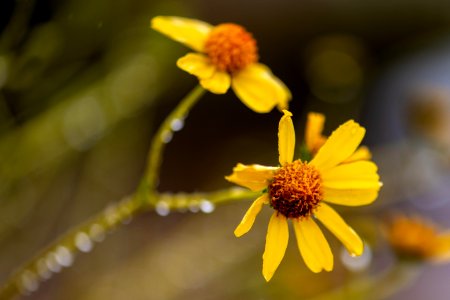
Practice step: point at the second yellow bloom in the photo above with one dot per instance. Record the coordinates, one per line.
(298, 190)
(226, 56)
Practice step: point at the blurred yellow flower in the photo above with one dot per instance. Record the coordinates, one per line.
(314, 139)
(227, 55)
(415, 238)
(313, 132)
(298, 191)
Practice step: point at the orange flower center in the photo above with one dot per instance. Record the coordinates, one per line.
(231, 48)
(296, 190)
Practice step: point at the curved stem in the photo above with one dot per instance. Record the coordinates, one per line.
(60, 253)
(81, 238)
(173, 122)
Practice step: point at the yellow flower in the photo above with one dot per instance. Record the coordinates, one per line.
(313, 132)
(227, 55)
(314, 139)
(416, 238)
(298, 191)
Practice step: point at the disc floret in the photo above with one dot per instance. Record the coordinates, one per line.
(231, 48)
(295, 190)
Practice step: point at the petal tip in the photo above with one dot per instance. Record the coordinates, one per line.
(315, 271)
(238, 233)
(153, 21)
(358, 250)
(267, 275)
(287, 113)
(157, 22)
(330, 265)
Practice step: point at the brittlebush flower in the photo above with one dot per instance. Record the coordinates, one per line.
(298, 190)
(226, 55)
(314, 139)
(418, 239)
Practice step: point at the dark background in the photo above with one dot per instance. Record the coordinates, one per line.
(84, 85)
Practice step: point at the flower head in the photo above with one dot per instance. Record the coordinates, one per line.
(298, 190)
(415, 238)
(226, 55)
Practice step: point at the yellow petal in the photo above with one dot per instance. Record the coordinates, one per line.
(441, 253)
(351, 176)
(218, 83)
(339, 146)
(313, 246)
(196, 64)
(286, 139)
(313, 131)
(250, 216)
(276, 244)
(190, 32)
(259, 89)
(333, 221)
(350, 197)
(362, 153)
(284, 94)
(254, 177)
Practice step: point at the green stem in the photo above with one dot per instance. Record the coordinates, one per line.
(61, 252)
(183, 201)
(163, 136)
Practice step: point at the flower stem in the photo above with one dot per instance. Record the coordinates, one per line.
(81, 238)
(173, 122)
(61, 252)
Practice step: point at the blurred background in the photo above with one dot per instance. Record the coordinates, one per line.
(84, 85)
